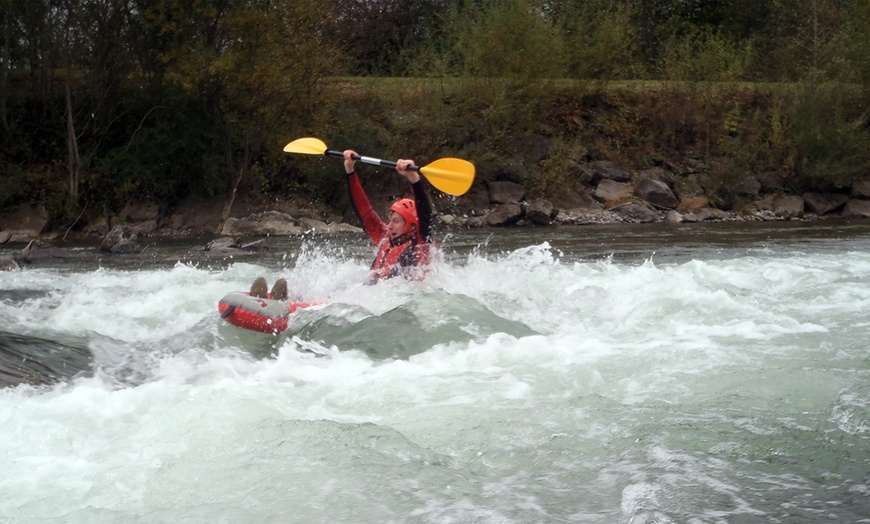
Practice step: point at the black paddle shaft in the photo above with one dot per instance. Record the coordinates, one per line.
(368, 159)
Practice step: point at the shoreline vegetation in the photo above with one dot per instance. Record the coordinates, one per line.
(170, 119)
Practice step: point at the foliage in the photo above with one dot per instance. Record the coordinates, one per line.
(829, 143)
(703, 56)
(102, 101)
(600, 40)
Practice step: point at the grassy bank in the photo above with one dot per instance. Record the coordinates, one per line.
(812, 136)
(537, 133)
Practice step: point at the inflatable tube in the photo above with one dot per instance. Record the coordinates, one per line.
(257, 314)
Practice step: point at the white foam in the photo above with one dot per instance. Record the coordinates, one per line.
(625, 359)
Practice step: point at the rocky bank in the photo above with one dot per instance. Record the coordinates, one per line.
(602, 192)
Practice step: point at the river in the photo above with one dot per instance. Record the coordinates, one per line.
(604, 374)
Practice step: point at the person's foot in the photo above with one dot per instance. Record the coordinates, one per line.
(279, 290)
(260, 289)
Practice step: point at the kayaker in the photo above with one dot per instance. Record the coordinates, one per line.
(404, 241)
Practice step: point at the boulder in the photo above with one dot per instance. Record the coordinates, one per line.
(606, 170)
(540, 211)
(638, 212)
(23, 224)
(657, 173)
(788, 205)
(223, 245)
(656, 193)
(691, 204)
(8, 263)
(857, 208)
(120, 240)
(824, 203)
(502, 192)
(673, 217)
(762, 205)
(40, 252)
(610, 191)
(580, 201)
(861, 189)
(504, 215)
(267, 223)
(748, 186)
(689, 187)
(709, 213)
(310, 225)
(256, 245)
(232, 246)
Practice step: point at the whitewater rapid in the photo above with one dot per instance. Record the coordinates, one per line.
(705, 383)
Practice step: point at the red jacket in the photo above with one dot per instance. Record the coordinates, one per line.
(403, 255)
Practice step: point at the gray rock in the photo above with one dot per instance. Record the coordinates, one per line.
(611, 191)
(120, 240)
(540, 211)
(257, 245)
(8, 263)
(748, 186)
(857, 208)
(223, 244)
(578, 201)
(657, 173)
(40, 251)
(656, 193)
(709, 213)
(319, 227)
(638, 212)
(673, 217)
(267, 223)
(824, 203)
(23, 224)
(861, 189)
(788, 205)
(502, 192)
(689, 187)
(504, 215)
(232, 246)
(606, 170)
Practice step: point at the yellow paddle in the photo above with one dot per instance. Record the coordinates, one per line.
(450, 175)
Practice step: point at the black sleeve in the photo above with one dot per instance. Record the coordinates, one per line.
(424, 212)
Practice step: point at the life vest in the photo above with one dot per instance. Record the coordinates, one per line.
(404, 256)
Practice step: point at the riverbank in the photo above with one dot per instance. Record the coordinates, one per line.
(142, 227)
(500, 204)
(599, 192)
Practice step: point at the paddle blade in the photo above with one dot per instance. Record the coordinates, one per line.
(450, 175)
(306, 146)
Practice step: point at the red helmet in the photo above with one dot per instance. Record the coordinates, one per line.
(407, 209)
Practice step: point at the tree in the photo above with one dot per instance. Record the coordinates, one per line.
(384, 36)
(255, 64)
(599, 38)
